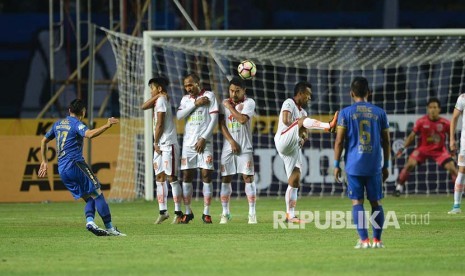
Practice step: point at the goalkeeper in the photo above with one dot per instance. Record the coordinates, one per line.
(432, 130)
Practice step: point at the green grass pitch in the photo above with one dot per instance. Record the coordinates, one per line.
(50, 239)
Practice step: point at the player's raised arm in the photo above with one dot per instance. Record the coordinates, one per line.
(92, 133)
(150, 103)
(186, 107)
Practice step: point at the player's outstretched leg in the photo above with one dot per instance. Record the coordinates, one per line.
(104, 211)
(403, 176)
(94, 229)
(310, 123)
(89, 211)
(333, 123)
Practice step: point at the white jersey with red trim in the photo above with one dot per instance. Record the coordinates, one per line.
(199, 119)
(296, 111)
(169, 135)
(241, 133)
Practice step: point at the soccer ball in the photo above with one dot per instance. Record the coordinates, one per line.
(247, 69)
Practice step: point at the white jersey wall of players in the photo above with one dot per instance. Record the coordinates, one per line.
(198, 121)
(241, 133)
(169, 135)
(289, 142)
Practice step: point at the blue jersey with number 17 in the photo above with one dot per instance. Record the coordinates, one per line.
(364, 123)
(69, 134)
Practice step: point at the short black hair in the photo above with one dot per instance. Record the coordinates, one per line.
(359, 87)
(434, 100)
(76, 106)
(301, 86)
(237, 82)
(160, 81)
(194, 77)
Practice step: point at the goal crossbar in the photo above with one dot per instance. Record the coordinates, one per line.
(307, 33)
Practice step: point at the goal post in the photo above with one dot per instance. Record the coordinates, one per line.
(148, 125)
(405, 67)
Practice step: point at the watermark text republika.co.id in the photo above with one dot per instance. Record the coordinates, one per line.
(344, 220)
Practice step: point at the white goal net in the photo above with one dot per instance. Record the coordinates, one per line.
(404, 68)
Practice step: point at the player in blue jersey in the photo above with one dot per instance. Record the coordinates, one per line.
(363, 132)
(76, 175)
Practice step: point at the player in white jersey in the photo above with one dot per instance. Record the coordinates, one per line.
(460, 180)
(166, 148)
(237, 156)
(290, 137)
(199, 108)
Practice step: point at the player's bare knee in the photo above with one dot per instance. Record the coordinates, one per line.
(294, 184)
(187, 176)
(206, 176)
(357, 202)
(161, 177)
(226, 179)
(247, 178)
(172, 178)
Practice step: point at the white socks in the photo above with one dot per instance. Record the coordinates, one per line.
(291, 200)
(207, 197)
(162, 194)
(315, 124)
(187, 196)
(458, 188)
(177, 195)
(251, 192)
(225, 195)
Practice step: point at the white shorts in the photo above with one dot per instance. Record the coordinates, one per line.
(190, 159)
(291, 162)
(167, 161)
(288, 145)
(234, 164)
(288, 141)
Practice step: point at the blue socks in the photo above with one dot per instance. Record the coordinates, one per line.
(103, 210)
(89, 210)
(358, 215)
(379, 219)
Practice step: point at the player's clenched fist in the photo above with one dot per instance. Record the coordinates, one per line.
(112, 121)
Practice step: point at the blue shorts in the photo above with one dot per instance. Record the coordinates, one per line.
(80, 180)
(357, 184)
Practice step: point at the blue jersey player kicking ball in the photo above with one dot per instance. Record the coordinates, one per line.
(363, 131)
(74, 172)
